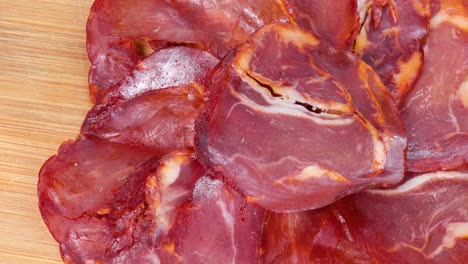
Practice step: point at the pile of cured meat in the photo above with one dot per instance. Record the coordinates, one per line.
(268, 131)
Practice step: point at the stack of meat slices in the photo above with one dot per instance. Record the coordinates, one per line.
(268, 132)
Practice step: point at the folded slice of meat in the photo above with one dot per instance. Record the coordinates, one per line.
(391, 42)
(435, 112)
(217, 227)
(294, 124)
(425, 220)
(175, 66)
(161, 120)
(216, 26)
(337, 22)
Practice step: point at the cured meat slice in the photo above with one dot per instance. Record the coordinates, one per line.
(391, 42)
(161, 120)
(436, 110)
(83, 187)
(218, 227)
(176, 66)
(425, 220)
(72, 182)
(337, 22)
(298, 130)
(217, 26)
(129, 227)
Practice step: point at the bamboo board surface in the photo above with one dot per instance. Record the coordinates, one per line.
(43, 100)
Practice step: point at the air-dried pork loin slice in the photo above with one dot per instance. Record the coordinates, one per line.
(175, 66)
(218, 226)
(294, 124)
(435, 112)
(425, 220)
(130, 219)
(336, 22)
(161, 120)
(216, 26)
(391, 42)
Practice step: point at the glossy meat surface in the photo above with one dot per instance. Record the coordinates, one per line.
(425, 220)
(336, 22)
(391, 42)
(175, 66)
(161, 120)
(298, 130)
(436, 110)
(217, 227)
(216, 26)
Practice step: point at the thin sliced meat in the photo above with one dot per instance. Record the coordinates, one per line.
(436, 110)
(166, 194)
(216, 26)
(391, 42)
(161, 120)
(84, 186)
(337, 22)
(217, 227)
(134, 222)
(302, 128)
(425, 220)
(176, 66)
(73, 182)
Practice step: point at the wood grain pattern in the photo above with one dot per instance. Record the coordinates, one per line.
(43, 100)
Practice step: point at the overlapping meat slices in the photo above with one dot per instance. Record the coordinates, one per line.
(391, 42)
(436, 110)
(161, 120)
(336, 22)
(425, 220)
(129, 217)
(143, 213)
(294, 124)
(175, 66)
(218, 226)
(216, 26)
(76, 194)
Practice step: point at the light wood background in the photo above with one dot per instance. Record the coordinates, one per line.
(43, 100)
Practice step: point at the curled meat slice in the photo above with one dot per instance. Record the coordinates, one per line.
(425, 220)
(435, 112)
(300, 128)
(337, 22)
(176, 66)
(391, 42)
(217, 227)
(161, 120)
(216, 26)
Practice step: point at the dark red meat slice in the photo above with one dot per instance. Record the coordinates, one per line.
(73, 181)
(436, 110)
(216, 26)
(80, 190)
(217, 227)
(299, 129)
(391, 42)
(337, 22)
(176, 66)
(424, 220)
(132, 218)
(162, 119)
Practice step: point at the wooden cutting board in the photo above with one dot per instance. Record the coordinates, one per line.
(43, 100)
